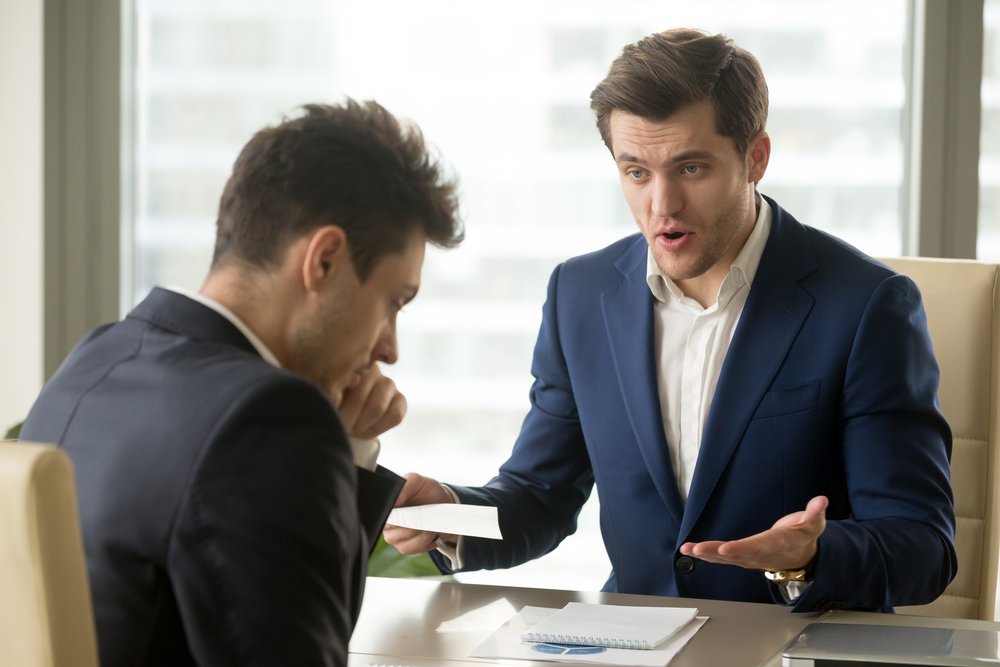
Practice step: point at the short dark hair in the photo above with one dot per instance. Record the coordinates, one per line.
(352, 165)
(663, 72)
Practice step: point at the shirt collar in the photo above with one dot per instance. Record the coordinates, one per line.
(257, 343)
(741, 273)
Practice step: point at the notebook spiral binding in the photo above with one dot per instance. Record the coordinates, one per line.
(575, 640)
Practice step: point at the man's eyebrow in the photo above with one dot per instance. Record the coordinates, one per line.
(628, 157)
(693, 154)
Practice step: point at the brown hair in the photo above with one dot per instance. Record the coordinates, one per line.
(351, 165)
(663, 72)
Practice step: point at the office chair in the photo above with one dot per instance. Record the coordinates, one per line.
(962, 301)
(45, 609)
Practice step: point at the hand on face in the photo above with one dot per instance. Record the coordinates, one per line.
(370, 404)
(789, 544)
(418, 490)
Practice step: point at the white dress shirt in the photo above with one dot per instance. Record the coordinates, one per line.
(365, 452)
(691, 343)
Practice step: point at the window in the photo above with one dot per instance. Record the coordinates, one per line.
(503, 92)
(988, 241)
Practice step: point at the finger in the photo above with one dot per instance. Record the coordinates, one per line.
(706, 548)
(816, 508)
(378, 392)
(420, 490)
(353, 399)
(706, 551)
(391, 417)
(409, 541)
(384, 408)
(336, 397)
(411, 485)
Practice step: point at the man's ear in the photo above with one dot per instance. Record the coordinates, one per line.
(325, 253)
(758, 156)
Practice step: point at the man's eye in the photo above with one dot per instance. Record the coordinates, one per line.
(635, 174)
(691, 169)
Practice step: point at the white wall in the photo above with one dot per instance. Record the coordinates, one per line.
(21, 116)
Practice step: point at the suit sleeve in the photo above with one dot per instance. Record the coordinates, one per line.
(541, 488)
(266, 558)
(897, 546)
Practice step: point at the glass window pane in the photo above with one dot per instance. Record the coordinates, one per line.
(503, 91)
(988, 241)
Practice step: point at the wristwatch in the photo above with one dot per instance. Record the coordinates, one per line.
(785, 576)
(791, 583)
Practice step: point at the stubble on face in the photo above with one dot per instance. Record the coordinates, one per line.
(729, 229)
(309, 352)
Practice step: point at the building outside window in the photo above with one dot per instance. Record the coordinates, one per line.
(988, 242)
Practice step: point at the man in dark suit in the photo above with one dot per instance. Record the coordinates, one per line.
(224, 517)
(754, 399)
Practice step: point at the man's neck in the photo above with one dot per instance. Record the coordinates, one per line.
(250, 296)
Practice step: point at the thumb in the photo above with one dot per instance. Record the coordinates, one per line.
(815, 512)
(817, 506)
(410, 487)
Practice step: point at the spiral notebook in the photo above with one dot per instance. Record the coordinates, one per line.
(611, 626)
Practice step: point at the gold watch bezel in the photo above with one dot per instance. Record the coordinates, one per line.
(780, 576)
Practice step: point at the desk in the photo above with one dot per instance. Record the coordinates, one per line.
(427, 623)
(420, 623)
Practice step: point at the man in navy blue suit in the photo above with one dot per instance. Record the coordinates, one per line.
(756, 401)
(227, 516)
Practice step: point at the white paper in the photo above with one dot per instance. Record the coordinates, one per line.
(617, 626)
(482, 620)
(506, 643)
(449, 518)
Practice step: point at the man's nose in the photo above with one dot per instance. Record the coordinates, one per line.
(386, 350)
(668, 198)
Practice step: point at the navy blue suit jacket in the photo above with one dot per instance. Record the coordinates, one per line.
(223, 518)
(829, 387)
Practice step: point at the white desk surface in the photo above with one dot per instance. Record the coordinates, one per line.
(429, 623)
(422, 623)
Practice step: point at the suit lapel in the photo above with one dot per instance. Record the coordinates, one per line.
(628, 320)
(772, 317)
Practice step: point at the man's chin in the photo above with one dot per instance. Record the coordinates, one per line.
(678, 270)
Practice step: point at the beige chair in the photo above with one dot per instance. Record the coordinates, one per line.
(963, 313)
(45, 613)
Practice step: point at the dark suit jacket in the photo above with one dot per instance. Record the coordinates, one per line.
(218, 496)
(829, 387)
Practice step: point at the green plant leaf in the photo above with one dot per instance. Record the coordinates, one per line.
(13, 431)
(386, 561)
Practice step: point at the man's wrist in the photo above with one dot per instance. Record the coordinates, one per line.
(794, 582)
(786, 576)
(451, 492)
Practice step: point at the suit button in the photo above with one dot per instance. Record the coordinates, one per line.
(684, 564)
